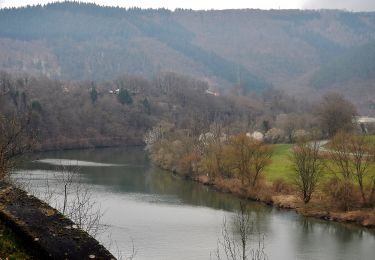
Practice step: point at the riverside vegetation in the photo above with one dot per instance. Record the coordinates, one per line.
(200, 135)
(335, 182)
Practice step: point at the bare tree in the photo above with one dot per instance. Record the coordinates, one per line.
(372, 193)
(336, 114)
(307, 167)
(212, 150)
(68, 193)
(261, 158)
(362, 159)
(352, 156)
(5, 83)
(340, 155)
(78, 202)
(119, 254)
(247, 157)
(16, 134)
(15, 140)
(236, 245)
(238, 155)
(289, 123)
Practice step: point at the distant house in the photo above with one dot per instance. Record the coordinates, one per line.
(365, 119)
(206, 138)
(256, 135)
(65, 90)
(214, 93)
(114, 91)
(366, 124)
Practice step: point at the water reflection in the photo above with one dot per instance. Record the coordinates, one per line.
(66, 162)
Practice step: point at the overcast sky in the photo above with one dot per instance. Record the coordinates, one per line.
(351, 5)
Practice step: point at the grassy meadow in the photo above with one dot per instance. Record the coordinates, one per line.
(281, 167)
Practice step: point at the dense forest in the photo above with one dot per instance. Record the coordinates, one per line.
(65, 114)
(237, 51)
(80, 114)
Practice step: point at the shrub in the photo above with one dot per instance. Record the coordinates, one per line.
(274, 136)
(281, 186)
(342, 194)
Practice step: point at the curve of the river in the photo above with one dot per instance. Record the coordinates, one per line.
(167, 217)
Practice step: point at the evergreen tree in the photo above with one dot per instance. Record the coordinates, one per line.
(93, 94)
(146, 105)
(36, 106)
(124, 96)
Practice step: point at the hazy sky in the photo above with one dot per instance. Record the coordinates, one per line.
(352, 5)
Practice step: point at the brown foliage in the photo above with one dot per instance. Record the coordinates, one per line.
(187, 163)
(213, 161)
(351, 156)
(281, 186)
(15, 140)
(342, 194)
(307, 168)
(247, 158)
(335, 114)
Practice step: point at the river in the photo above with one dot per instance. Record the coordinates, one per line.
(167, 217)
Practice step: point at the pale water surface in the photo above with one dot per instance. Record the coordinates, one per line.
(171, 218)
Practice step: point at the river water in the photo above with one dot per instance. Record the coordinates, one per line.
(166, 217)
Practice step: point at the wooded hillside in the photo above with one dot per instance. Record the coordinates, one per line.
(241, 50)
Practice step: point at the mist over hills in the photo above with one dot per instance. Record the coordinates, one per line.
(236, 50)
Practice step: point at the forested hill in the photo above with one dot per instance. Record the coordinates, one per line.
(246, 49)
(358, 63)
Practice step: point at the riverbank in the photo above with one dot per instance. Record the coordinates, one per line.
(85, 143)
(279, 197)
(262, 172)
(141, 201)
(11, 246)
(317, 207)
(45, 232)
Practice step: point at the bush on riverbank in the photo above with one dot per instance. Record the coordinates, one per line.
(215, 162)
(235, 157)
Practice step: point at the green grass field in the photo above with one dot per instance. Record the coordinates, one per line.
(371, 138)
(280, 167)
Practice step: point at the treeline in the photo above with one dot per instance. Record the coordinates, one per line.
(250, 51)
(209, 148)
(213, 155)
(334, 180)
(338, 175)
(80, 21)
(225, 140)
(87, 114)
(341, 172)
(335, 175)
